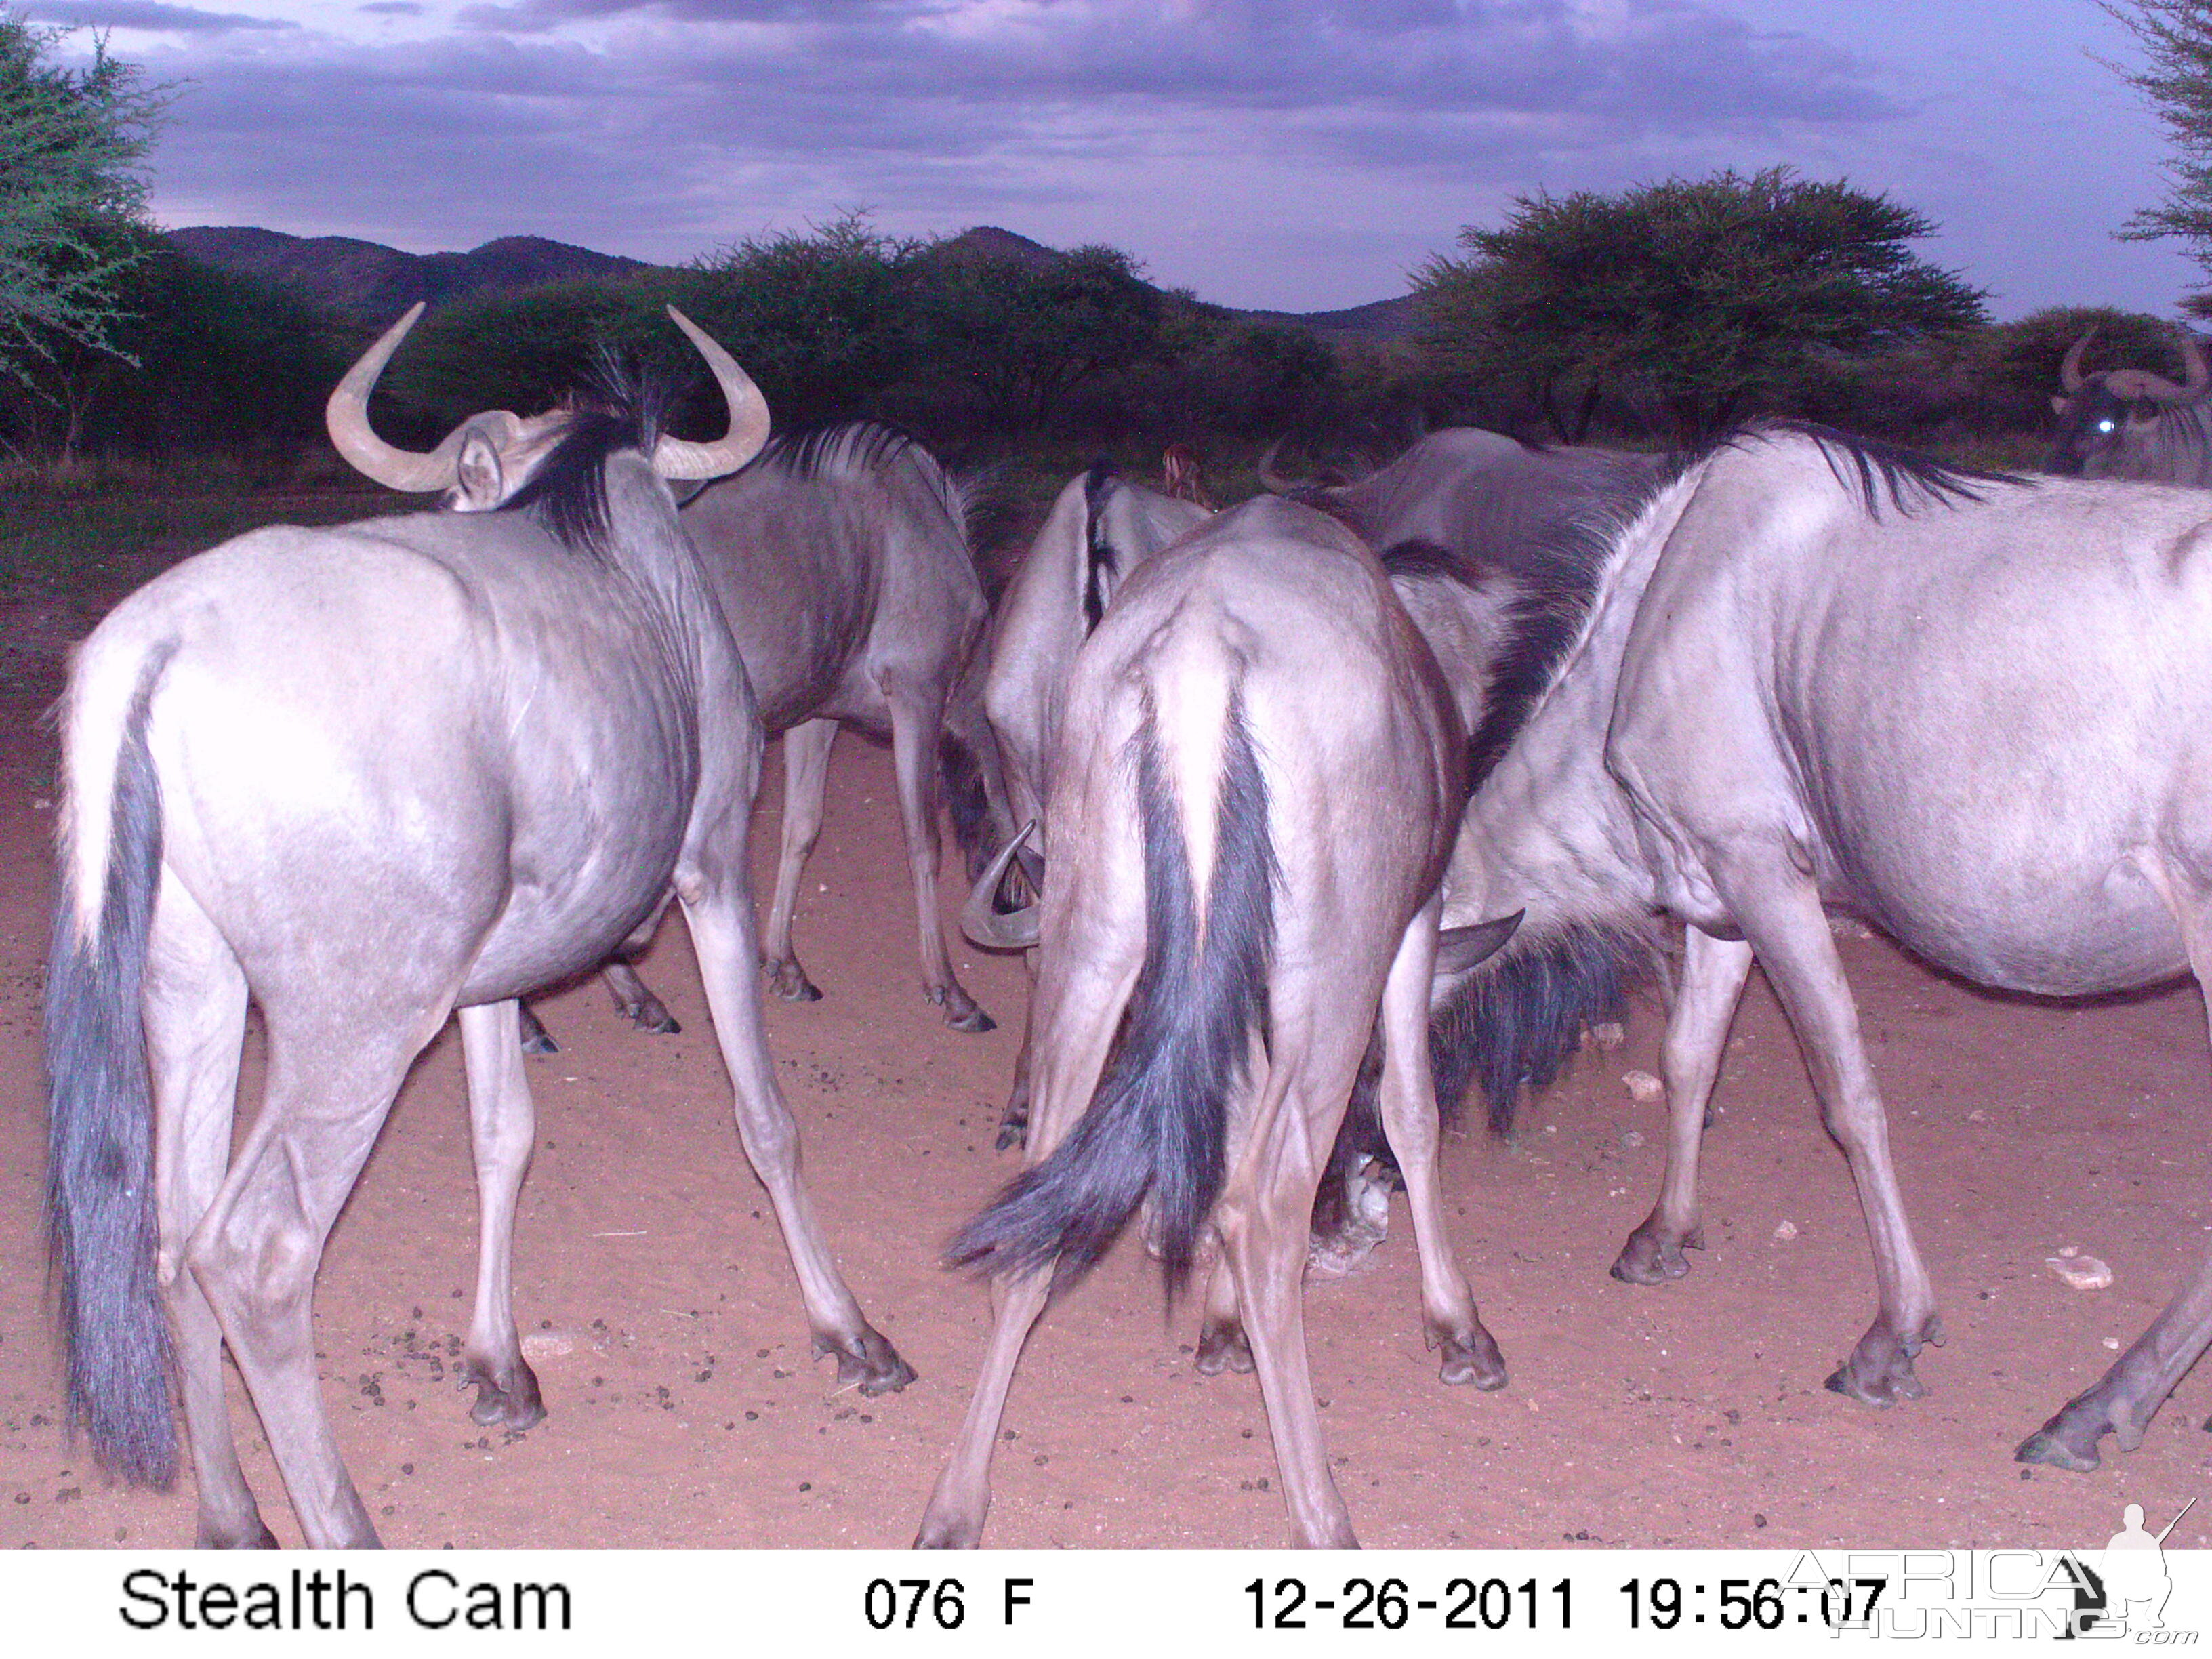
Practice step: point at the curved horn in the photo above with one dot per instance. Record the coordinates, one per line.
(673, 458)
(2200, 378)
(1272, 481)
(345, 417)
(980, 918)
(1459, 949)
(2069, 370)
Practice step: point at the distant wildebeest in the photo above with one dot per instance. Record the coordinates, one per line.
(1257, 776)
(1182, 477)
(840, 557)
(2132, 423)
(1976, 710)
(362, 777)
(1481, 495)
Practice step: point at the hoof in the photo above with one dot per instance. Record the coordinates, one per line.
(944, 1532)
(512, 1402)
(539, 1043)
(257, 1536)
(2047, 1445)
(1473, 1359)
(788, 980)
(1880, 1371)
(1224, 1348)
(868, 1363)
(1649, 1259)
(962, 1012)
(1013, 1132)
(652, 1017)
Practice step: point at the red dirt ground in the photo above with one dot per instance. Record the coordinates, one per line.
(689, 1413)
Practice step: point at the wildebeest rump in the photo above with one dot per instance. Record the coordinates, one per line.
(1257, 776)
(840, 557)
(1976, 710)
(362, 777)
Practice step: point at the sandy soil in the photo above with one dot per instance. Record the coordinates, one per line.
(686, 1411)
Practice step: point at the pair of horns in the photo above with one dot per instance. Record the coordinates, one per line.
(2139, 382)
(346, 416)
(1458, 949)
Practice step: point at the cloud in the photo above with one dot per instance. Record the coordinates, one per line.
(149, 14)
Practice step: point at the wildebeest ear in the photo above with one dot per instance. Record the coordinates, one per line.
(2059, 400)
(479, 480)
(1459, 949)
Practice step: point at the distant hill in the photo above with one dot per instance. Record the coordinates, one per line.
(369, 280)
(374, 283)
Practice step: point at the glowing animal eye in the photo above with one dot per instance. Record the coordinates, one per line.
(2107, 424)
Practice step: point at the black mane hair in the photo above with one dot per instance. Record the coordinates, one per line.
(623, 408)
(1422, 559)
(1099, 554)
(1878, 470)
(804, 452)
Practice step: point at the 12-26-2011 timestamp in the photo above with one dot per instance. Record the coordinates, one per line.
(1750, 1604)
(1394, 1604)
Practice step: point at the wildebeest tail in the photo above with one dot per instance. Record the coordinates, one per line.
(100, 1222)
(1159, 1121)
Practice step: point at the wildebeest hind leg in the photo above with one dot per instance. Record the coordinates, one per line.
(1221, 1344)
(195, 1009)
(636, 1002)
(1408, 1096)
(1781, 915)
(331, 1078)
(917, 719)
(805, 775)
(1713, 975)
(2124, 1399)
(502, 1128)
(720, 915)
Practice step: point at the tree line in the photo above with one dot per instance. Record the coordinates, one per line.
(1660, 314)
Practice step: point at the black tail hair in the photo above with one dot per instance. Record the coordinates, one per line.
(101, 1230)
(1159, 1122)
(967, 802)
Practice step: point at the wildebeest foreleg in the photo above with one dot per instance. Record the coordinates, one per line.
(917, 720)
(1713, 975)
(635, 1002)
(1782, 918)
(720, 919)
(1410, 1119)
(195, 1010)
(805, 775)
(2124, 1401)
(502, 1129)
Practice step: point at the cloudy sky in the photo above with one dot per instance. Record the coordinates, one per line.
(1290, 153)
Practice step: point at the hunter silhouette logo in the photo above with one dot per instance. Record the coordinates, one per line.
(2135, 1581)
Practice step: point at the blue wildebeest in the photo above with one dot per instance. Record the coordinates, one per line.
(1257, 778)
(362, 777)
(840, 557)
(1973, 709)
(1481, 495)
(2132, 423)
(1100, 530)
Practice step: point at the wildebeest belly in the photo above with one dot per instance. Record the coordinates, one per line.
(2013, 917)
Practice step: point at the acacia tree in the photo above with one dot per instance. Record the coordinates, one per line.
(72, 191)
(2176, 36)
(1705, 298)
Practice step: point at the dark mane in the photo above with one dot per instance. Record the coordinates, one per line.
(1100, 558)
(568, 493)
(1427, 559)
(1877, 469)
(807, 451)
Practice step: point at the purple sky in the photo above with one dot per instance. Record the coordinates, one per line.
(1291, 154)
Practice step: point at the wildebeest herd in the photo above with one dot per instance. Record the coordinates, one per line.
(1312, 813)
